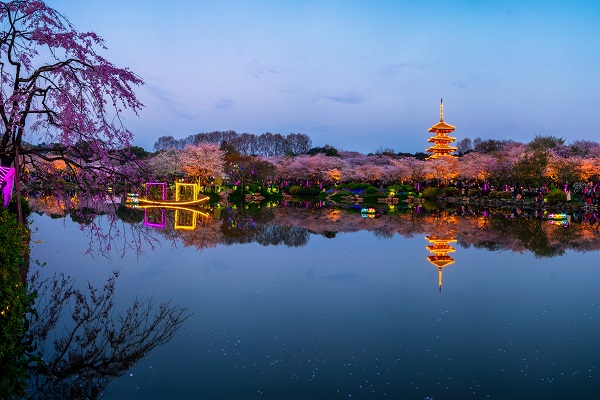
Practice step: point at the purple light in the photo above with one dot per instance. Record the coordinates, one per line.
(148, 222)
(163, 186)
(7, 174)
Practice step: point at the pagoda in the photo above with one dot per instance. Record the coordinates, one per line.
(440, 247)
(441, 141)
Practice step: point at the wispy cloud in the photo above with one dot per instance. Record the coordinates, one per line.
(346, 99)
(471, 80)
(258, 70)
(397, 68)
(224, 104)
(172, 101)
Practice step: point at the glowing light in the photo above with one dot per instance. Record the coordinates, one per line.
(563, 223)
(180, 188)
(132, 198)
(150, 221)
(161, 185)
(557, 216)
(440, 247)
(185, 219)
(7, 178)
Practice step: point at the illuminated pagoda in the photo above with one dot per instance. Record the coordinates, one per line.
(441, 141)
(440, 247)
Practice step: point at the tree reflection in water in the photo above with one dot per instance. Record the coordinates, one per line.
(291, 224)
(79, 354)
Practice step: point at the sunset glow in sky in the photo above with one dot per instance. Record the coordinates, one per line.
(356, 75)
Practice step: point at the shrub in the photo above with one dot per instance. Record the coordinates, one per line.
(371, 190)
(500, 194)
(473, 193)
(358, 186)
(343, 193)
(451, 191)
(304, 191)
(554, 196)
(12, 207)
(399, 189)
(429, 193)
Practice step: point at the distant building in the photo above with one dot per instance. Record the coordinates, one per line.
(441, 141)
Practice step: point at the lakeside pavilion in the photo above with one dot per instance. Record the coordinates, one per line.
(441, 141)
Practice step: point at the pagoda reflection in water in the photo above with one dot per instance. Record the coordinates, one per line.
(440, 247)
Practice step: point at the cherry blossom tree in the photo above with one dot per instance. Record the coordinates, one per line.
(416, 168)
(282, 164)
(368, 173)
(202, 161)
(399, 170)
(503, 169)
(324, 168)
(477, 166)
(164, 165)
(56, 88)
(590, 167)
(300, 169)
(585, 148)
(317, 168)
(442, 169)
(564, 169)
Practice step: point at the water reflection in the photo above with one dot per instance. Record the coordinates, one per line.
(78, 341)
(440, 247)
(292, 224)
(185, 218)
(155, 217)
(355, 315)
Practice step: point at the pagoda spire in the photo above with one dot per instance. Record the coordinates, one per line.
(441, 110)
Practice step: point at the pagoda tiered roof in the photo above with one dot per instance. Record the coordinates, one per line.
(442, 127)
(440, 261)
(441, 148)
(436, 139)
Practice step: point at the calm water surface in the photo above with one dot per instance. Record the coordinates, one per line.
(359, 315)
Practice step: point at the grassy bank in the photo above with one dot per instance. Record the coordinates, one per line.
(13, 304)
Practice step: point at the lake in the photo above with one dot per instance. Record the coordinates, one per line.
(309, 301)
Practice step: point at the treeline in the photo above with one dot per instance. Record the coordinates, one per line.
(578, 148)
(544, 159)
(267, 144)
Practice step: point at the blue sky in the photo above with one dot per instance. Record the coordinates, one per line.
(357, 75)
